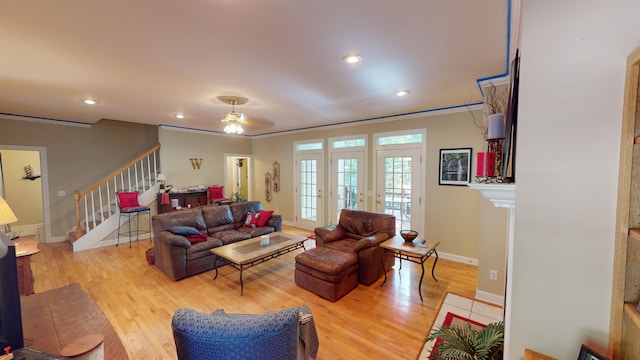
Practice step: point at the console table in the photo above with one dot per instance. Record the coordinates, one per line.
(25, 247)
(185, 199)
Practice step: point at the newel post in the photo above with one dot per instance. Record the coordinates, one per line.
(76, 198)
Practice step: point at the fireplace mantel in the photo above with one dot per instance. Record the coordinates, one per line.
(501, 195)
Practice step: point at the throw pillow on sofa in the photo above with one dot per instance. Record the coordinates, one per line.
(263, 217)
(183, 230)
(250, 220)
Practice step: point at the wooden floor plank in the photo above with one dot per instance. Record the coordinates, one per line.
(371, 322)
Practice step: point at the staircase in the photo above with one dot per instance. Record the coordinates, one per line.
(97, 207)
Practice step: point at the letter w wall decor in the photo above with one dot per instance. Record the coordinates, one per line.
(196, 163)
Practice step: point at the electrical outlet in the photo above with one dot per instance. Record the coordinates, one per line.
(62, 193)
(493, 274)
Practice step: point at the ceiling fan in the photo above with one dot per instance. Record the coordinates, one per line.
(233, 120)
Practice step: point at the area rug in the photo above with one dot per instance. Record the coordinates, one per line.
(461, 308)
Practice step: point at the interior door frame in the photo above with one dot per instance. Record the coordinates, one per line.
(44, 185)
(230, 161)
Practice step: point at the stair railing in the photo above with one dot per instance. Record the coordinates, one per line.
(95, 204)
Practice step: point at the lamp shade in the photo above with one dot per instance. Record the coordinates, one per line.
(6, 214)
(161, 177)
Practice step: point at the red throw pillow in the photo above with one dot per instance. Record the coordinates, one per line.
(215, 192)
(196, 238)
(264, 217)
(250, 219)
(128, 199)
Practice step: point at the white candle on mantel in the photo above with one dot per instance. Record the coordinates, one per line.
(496, 126)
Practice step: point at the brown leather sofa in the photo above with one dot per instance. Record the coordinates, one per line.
(361, 232)
(178, 258)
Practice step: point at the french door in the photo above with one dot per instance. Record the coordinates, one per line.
(347, 182)
(309, 196)
(398, 186)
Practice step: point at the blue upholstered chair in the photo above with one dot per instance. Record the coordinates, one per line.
(287, 334)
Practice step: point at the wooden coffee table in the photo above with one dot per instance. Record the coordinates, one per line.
(416, 251)
(247, 253)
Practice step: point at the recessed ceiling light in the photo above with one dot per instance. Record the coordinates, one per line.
(402, 93)
(89, 101)
(352, 58)
(179, 116)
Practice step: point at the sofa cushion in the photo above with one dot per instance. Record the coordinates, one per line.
(231, 236)
(185, 217)
(359, 224)
(327, 260)
(203, 249)
(256, 231)
(183, 230)
(217, 218)
(346, 245)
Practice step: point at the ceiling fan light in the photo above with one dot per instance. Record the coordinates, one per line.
(233, 120)
(233, 128)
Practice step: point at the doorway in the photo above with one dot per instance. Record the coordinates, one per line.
(27, 195)
(309, 185)
(399, 177)
(238, 176)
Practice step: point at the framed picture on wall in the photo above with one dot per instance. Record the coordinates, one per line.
(455, 166)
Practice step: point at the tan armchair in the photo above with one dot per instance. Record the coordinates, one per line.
(361, 232)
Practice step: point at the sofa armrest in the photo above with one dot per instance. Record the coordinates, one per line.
(275, 221)
(326, 234)
(171, 239)
(371, 241)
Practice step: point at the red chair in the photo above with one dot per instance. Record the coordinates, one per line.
(216, 195)
(130, 207)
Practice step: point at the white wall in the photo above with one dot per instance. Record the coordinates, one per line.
(572, 81)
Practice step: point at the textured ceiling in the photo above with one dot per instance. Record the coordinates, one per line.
(144, 61)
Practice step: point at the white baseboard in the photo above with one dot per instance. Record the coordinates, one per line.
(55, 239)
(458, 258)
(490, 298)
(29, 229)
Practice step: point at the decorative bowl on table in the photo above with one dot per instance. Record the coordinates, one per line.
(408, 235)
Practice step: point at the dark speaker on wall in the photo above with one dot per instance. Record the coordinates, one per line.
(10, 310)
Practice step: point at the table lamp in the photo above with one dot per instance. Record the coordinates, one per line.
(162, 178)
(6, 217)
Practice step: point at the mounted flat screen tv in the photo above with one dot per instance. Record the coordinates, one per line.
(10, 311)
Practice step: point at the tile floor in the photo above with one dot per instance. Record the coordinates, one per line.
(469, 308)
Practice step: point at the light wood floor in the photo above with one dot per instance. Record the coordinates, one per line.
(370, 322)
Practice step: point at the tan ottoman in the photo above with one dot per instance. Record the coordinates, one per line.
(326, 272)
